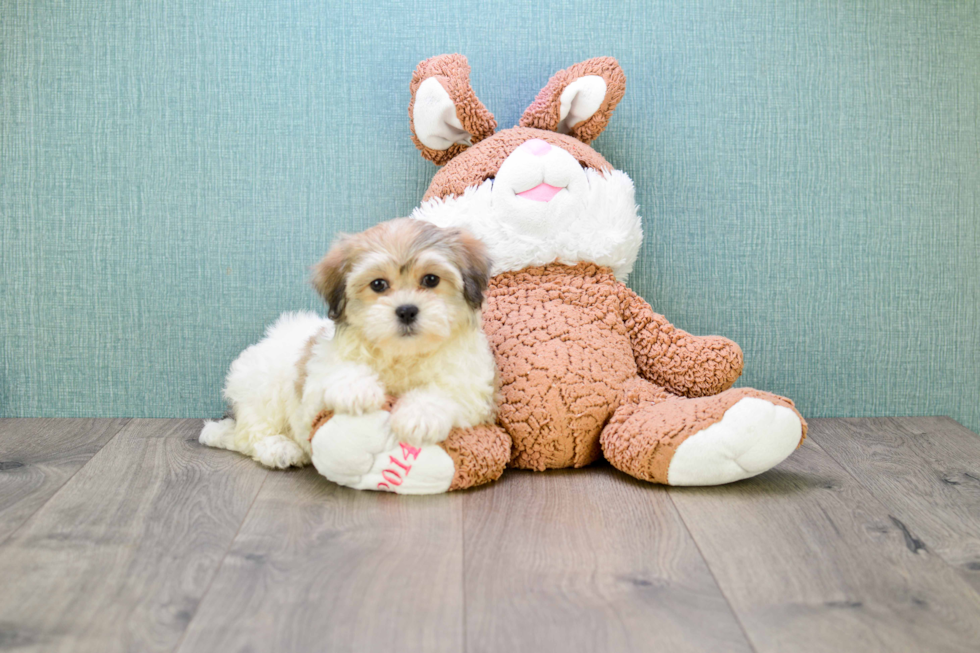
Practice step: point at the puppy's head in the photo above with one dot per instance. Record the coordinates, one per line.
(404, 285)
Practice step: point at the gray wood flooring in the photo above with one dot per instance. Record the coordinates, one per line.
(127, 535)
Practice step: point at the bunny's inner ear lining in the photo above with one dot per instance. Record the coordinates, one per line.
(434, 116)
(579, 101)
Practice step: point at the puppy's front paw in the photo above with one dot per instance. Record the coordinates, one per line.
(358, 396)
(279, 452)
(420, 422)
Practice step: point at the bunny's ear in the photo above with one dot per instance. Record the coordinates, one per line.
(445, 115)
(579, 100)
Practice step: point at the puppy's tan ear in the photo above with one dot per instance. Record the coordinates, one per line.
(330, 278)
(474, 265)
(579, 100)
(445, 115)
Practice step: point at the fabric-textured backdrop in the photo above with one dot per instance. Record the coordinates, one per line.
(808, 173)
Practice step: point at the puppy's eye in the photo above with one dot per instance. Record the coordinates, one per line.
(379, 285)
(430, 281)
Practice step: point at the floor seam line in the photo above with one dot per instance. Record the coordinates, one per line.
(10, 535)
(721, 590)
(889, 511)
(462, 555)
(221, 563)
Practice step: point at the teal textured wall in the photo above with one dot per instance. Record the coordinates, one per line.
(808, 172)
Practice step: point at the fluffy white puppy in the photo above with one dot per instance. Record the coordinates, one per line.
(404, 300)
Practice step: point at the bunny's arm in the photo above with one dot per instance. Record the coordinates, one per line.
(686, 365)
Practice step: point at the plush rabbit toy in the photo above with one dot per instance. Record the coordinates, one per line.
(587, 369)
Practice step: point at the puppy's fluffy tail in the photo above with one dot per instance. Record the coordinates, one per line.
(219, 434)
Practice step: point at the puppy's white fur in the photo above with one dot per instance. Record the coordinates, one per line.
(440, 368)
(261, 391)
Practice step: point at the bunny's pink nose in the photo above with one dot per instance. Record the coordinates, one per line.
(537, 147)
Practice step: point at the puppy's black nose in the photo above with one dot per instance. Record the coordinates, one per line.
(407, 313)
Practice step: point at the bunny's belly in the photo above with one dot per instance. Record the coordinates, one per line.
(564, 357)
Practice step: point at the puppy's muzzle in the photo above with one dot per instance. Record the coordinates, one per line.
(406, 313)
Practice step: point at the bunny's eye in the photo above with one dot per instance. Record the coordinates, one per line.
(430, 281)
(379, 285)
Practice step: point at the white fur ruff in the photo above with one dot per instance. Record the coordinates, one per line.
(595, 220)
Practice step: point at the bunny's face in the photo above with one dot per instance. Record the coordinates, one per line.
(537, 193)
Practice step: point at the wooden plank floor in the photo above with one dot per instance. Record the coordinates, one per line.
(126, 535)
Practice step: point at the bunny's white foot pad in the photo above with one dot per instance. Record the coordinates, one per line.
(753, 436)
(360, 452)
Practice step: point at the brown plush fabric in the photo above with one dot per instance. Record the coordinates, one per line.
(479, 454)
(545, 111)
(564, 347)
(564, 356)
(453, 72)
(686, 365)
(321, 418)
(573, 346)
(642, 436)
(482, 161)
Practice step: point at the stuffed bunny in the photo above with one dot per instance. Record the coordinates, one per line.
(587, 369)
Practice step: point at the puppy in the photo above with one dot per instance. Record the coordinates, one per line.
(404, 303)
